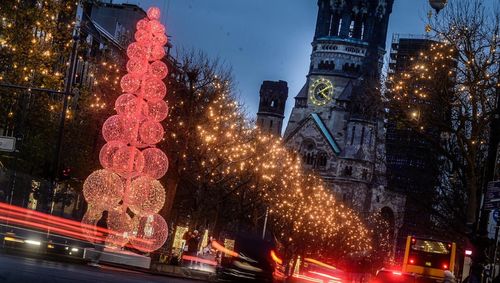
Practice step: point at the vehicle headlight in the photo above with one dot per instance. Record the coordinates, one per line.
(32, 242)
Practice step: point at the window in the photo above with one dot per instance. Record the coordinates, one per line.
(330, 27)
(322, 159)
(362, 136)
(270, 124)
(310, 158)
(273, 104)
(364, 174)
(352, 134)
(340, 27)
(347, 171)
(351, 29)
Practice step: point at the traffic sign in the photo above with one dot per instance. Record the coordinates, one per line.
(7, 143)
(496, 214)
(492, 199)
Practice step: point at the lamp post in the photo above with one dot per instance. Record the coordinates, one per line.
(438, 5)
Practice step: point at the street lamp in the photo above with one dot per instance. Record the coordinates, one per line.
(438, 5)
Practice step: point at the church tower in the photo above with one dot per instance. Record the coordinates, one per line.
(335, 125)
(273, 97)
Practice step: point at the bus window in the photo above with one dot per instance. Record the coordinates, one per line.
(429, 257)
(430, 254)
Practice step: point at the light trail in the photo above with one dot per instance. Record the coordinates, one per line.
(223, 249)
(200, 260)
(54, 222)
(35, 219)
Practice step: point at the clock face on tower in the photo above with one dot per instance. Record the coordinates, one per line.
(321, 91)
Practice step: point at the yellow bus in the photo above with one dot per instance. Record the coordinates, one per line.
(429, 257)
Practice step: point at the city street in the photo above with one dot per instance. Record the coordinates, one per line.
(326, 141)
(19, 269)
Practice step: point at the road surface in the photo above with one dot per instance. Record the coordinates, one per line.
(18, 269)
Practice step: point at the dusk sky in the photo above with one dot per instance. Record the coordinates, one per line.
(263, 39)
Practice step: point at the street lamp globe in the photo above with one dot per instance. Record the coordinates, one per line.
(438, 5)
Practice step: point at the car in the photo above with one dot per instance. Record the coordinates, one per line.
(395, 276)
(257, 261)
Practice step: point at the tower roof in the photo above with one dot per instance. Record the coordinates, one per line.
(346, 93)
(303, 91)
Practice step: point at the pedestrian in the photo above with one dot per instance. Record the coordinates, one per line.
(208, 249)
(99, 244)
(449, 277)
(193, 243)
(192, 246)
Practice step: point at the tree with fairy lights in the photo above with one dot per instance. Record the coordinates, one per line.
(448, 97)
(206, 191)
(35, 42)
(305, 217)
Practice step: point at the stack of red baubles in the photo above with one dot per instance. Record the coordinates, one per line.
(128, 186)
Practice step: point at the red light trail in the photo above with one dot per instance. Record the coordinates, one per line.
(57, 225)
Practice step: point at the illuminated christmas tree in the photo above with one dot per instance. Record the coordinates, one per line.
(128, 186)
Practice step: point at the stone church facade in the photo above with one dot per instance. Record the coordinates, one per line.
(326, 127)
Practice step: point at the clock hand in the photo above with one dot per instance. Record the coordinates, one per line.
(325, 89)
(322, 92)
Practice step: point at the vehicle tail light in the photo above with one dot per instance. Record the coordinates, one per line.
(276, 258)
(411, 261)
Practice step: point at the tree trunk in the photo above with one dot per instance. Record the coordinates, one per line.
(171, 184)
(472, 203)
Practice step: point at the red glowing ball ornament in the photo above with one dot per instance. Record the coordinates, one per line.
(130, 83)
(155, 163)
(154, 13)
(119, 128)
(151, 233)
(128, 105)
(128, 187)
(128, 161)
(147, 196)
(103, 189)
(108, 151)
(151, 132)
(153, 89)
(155, 110)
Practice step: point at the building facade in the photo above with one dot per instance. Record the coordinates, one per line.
(413, 164)
(336, 125)
(273, 97)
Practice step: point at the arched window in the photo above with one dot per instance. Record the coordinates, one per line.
(322, 159)
(308, 151)
(347, 172)
(352, 134)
